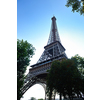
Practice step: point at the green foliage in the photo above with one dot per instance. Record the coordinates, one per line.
(53, 74)
(79, 63)
(40, 99)
(77, 5)
(24, 52)
(65, 78)
(32, 98)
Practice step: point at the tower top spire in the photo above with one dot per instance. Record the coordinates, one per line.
(54, 36)
(53, 18)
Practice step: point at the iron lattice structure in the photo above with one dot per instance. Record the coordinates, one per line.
(54, 47)
(54, 50)
(54, 36)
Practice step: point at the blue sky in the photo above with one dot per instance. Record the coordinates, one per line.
(73, 30)
(34, 24)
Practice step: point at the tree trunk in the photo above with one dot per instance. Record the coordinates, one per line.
(50, 96)
(60, 96)
(54, 96)
(77, 95)
(65, 97)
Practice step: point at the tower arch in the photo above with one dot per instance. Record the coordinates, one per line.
(37, 91)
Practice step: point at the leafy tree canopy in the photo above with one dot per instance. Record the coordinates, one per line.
(41, 99)
(77, 5)
(25, 51)
(32, 98)
(65, 78)
(79, 63)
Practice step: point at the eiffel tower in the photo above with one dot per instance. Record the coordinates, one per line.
(54, 50)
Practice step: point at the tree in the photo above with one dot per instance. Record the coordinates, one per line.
(25, 51)
(79, 63)
(32, 98)
(65, 78)
(53, 74)
(41, 99)
(77, 5)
